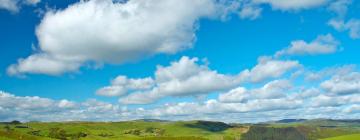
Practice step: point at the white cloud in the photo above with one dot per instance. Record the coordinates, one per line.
(269, 68)
(330, 71)
(184, 78)
(324, 100)
(103, 31)
(189, 78)
(292, 4)
(352, 26)
(44, 64)
(250, 11)
(323, 44)
(121, 86)
(343, 84)
(33, 108)
(340, 7)
(10, 5)
(272, 90)
(32, 2)
(216, 107)
(15, 5)
(353, 109)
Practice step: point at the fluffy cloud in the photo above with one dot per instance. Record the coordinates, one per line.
(184, 78)
(32, 108)
(353, 109)
(188, 77)
(44, 64)
(269, 68)
(324, 100)
(250, 11)
(343, 84)
(8, 5)
(340, 8)
(272, 90)
(331, 71)
(353, 26)
(323, 44)
(216, 107)
(14, 5)
(121, 86)
(292, 4)
(104, 31)
(277, 99)
(107, 31)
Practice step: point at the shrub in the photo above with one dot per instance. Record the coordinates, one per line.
(7, 128)
(20, 126)
(136, 132)
(35, 133)
(57, 133)
(105, 135)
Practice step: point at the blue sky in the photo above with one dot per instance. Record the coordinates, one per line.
(215, 56)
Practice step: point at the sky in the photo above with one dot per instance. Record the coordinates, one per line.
(223, 60)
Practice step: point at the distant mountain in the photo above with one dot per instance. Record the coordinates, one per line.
(347, 121)
(153, 120)
(290, 120)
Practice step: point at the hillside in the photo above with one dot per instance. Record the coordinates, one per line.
(181, 130)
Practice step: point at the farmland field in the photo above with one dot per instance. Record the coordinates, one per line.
(346, 137)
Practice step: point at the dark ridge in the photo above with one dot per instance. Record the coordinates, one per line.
(210, 126)
(290, 120)
(346, 121)
(152, 120)
(271, 133)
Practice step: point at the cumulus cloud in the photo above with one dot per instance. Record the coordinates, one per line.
(184, 78)
(343, 84)
(33, 108)
(330, 71)
(324, 100)
(14, 5)
(216, 107)
(339, 23)
(277, 99)
(42, 64)
(272, 90)
(270, 68)
(340, 7)
(352, 26)
(353, 109)
(323, 44)
(189, 77)
(121, 86)
(104, 31)
(250, 11)
(292, 4)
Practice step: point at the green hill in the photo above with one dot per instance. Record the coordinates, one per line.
(346, 137)
(180, 130)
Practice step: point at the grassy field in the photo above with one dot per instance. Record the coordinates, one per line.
(346, 137)
(181, 130)
(133, 130)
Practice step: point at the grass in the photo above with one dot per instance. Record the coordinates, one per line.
(181, 130)
(346, 137)
(131, 130)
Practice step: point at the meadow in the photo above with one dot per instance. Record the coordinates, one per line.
(180, 130)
